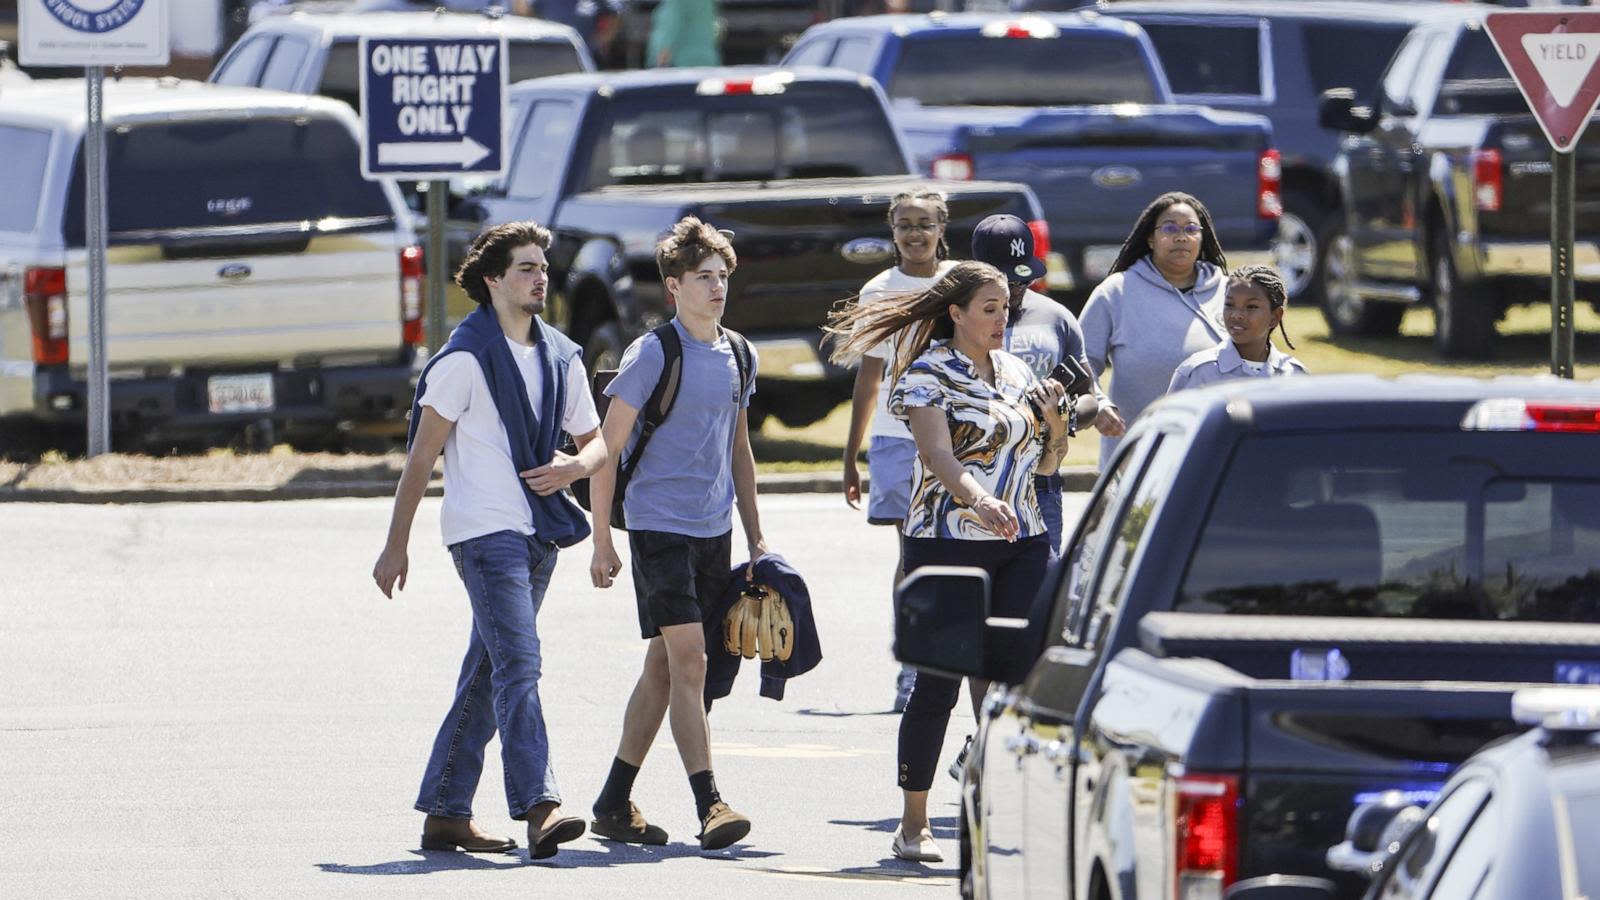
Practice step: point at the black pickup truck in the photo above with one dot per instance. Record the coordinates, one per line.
(1281, 597)
(1445, 184)
(799, 164)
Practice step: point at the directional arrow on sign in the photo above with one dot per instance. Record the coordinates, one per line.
(1552, 57)
(465, 153)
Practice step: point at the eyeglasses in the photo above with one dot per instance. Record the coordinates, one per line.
(924, 227)
(1173, 229)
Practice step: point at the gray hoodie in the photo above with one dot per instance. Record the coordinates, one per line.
(1140, 325)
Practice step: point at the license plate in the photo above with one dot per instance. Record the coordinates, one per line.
(240, 393)
(1097, 262)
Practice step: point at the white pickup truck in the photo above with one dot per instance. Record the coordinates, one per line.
(253, 278)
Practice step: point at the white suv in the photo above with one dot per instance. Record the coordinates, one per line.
(252, 276)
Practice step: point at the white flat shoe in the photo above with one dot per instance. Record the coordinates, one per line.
(920, 848)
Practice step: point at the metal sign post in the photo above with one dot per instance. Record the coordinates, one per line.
(1552, 56)
(432, 108)
(94, 34)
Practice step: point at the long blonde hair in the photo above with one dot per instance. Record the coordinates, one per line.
(855, 328)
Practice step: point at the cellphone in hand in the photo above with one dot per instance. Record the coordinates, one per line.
(1070, 374)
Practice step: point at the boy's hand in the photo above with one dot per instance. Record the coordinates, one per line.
(392, 565)
(757, 550)
(554, 475)
(604, 566)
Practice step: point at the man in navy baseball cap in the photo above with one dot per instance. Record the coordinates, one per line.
(1006, 243)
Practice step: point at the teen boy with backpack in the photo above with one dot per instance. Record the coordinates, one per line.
(677, 507)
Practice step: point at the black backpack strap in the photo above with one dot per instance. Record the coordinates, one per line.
(661, 399)
(741, 357)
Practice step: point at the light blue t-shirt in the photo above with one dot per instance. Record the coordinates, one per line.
(684, 482)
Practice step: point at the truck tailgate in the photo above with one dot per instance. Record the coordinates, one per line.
(1524, 213)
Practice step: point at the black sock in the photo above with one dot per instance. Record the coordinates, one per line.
(704, 785)
(618, 788)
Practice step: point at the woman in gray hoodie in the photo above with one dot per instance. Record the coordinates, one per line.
(1161, 303)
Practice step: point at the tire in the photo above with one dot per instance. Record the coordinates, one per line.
(964, 865)
(1301, 246)
(603, 348)
(1345, 312)
(1464, 312)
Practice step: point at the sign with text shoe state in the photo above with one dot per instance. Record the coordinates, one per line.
(1552, 57)
(432, 107)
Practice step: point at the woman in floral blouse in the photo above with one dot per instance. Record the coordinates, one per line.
(984, 427)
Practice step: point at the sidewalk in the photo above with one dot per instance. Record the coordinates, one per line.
(1076, 479)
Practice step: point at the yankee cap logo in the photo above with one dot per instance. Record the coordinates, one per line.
(1017, 247)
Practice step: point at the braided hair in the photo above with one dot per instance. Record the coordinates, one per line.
(1137, 246)
(1271, 283)
(941, 211)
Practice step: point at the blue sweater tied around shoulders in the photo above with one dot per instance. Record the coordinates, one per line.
(534, 436)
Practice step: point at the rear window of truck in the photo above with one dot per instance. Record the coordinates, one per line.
(1069, 70)
(1354, 55)
(1452, 526)
(529, 59)
(25, 151)
(230, 174)
(804, 132)
(1476, 81)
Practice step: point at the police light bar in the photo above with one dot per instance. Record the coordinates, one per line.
(1566, 708)
(1026, 27)
(1510, 414)
(762, 85)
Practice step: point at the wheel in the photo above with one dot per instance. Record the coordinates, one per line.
(1343, 309)
(1298, 251)
(1464, 314)
(603, 348)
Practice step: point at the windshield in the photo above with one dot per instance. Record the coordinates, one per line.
(1070, 70)
(810, 132)
(1487, 526)
(1583, 818)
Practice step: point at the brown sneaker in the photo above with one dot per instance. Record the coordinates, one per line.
(722, 826)
(628, 825)
(441, 833)
(543, 843)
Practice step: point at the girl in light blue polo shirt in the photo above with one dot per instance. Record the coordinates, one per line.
(1253, 307)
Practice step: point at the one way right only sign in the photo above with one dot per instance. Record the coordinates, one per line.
(432, 107)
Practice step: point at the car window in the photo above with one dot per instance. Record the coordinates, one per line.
(1209, 59)
(1403, 68)
(811, 53)
(283, 68)
(1469, 863)
(1582, 824)
(855, 53)
(1476, 82)
(341, 76)
(542, 149)
(1419, 525)
(1349, 55)
(244, 65)
(297, 173)
(813, 131)
(1083, 554)
(1431, 843)
(1069, 70)
(1153, 485)
(26, 151)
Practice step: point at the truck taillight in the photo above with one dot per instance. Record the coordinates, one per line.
(1511, 414)
(44, 293)
(1269, 185)
(411, 306)
(1041, 248)
(1205, 831)
(1488, 180)
(952, 167)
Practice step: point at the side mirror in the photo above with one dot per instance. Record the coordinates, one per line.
(942, 623)
(1337, 109)
(1374, 833)
(1282, 887)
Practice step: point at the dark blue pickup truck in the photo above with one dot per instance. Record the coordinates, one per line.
(1282, 598)
(800, 165)
(1074, 105)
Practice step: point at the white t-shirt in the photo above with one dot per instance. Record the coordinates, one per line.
(482, 493)
(888, 283)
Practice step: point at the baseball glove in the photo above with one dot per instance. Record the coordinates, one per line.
(759, 624)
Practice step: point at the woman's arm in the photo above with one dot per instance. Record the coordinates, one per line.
(931, 430)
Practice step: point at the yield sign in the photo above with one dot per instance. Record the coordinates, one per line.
(1552, 57)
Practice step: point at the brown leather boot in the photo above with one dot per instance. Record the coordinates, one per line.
(441, 833)
(545, 838)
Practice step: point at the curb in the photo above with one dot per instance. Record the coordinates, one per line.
(1074, 480)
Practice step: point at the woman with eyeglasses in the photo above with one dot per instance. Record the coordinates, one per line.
(917, 219)
(1161, 304)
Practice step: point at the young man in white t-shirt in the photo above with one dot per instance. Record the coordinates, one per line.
(496, 400)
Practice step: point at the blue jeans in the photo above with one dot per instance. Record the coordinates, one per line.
(1048, 489)
(506, 575)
